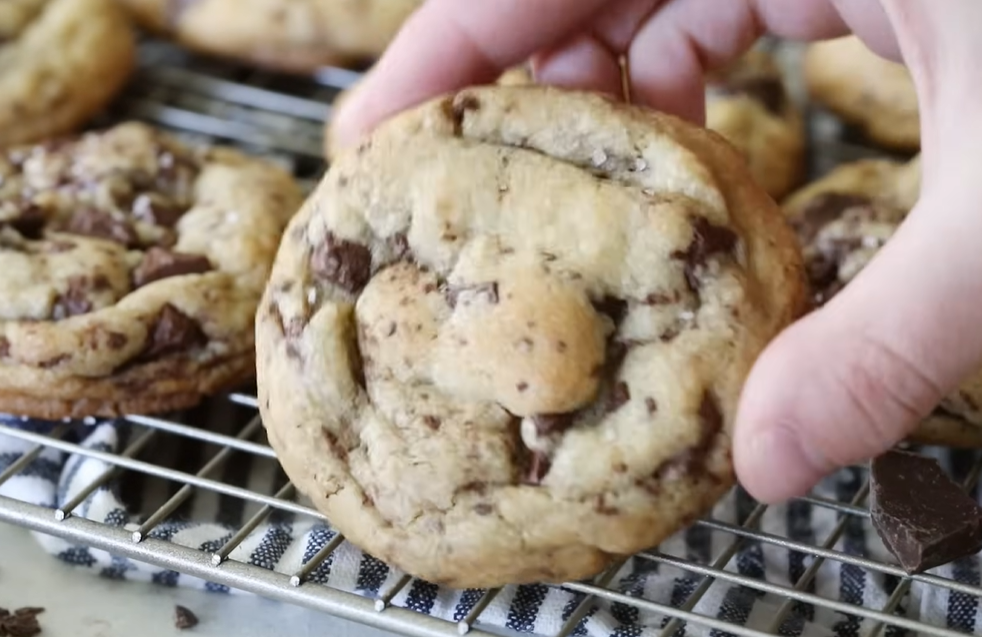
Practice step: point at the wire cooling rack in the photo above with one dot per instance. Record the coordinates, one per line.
(282, 119)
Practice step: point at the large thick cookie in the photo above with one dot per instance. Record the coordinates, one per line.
(749, 105)
(132, 268)
(61, 61)
(504, 339)
(288, 35)
(842, 221)
(865, 90)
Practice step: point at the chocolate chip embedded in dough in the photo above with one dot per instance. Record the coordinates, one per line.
(172, 332)
(344, 263)
(75, 300)
(159, 264)
(690, 461)
(456, 109)
(483, 508)
(538, 468)
(4, 347)
(152, 209)
(707, 240)
(548, 424)
(29, 221)
(94, 223)
(619, 396)
(822, 210)
(612, 307)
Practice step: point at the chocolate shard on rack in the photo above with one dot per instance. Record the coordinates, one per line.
(923, 517)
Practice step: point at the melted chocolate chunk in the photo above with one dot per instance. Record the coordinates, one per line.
(76, 300)
(548, 424)
(486, 291)
(538, 468)
(619, 396)
(343, 263)
(173, 332)
(29, 221)
(707, 241)
(767, 90)
(482, 508)
(822, 267)
(4, 347)
(93, 223)
(923, 517)
(612, 307)
(159, 264)
(151, 210)
(456, 109)
(822, 210)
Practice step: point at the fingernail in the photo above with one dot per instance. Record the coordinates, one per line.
(774, 466)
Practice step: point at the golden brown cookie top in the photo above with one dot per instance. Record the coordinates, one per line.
(114, 245)
(520, 313)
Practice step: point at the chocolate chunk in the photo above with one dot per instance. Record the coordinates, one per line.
(343, 263)
(20, 623)
(456, 109)
(538, 468)
(482, 508)
(29, 221)
(75, 300)
(923, 517)
(488, 292)
(184, 618)
(93, 223)
(4, 347)
(822, 267)
(822, 210)
(548, 424)
(151, 209)
(612, 307)
(432, 422)
(767, 90)
(172, 332)
(651, 405)
(707, 240)
(620, 394)
(159, 264)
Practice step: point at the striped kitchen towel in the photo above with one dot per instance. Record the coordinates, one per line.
(284, 542)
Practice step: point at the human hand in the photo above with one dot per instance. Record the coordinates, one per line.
(850, 380)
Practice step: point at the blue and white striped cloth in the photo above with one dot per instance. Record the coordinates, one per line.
(285, 542)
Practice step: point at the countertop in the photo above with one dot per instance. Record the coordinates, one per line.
(79, 604)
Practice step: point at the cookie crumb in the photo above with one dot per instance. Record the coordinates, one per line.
(184, 618)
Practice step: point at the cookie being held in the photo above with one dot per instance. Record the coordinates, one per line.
(61, 61)
(842, 221)
(132, 266)
(295, 36)
(749, 105)
(870, 92)
(504, 339)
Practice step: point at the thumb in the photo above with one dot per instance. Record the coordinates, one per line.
(852, 379)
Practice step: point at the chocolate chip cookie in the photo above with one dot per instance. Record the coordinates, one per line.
(504, 339)
(873, 94)
(287, 35)
(132, 266)
(61, 61)
(749, 105)
(842, 221)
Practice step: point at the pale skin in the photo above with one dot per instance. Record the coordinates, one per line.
(849, 381)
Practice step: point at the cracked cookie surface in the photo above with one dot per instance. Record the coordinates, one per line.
(870, 92)
(286, 35)
(749, 105)
(61, 61)
(842, 221)
(132, 266)
(503, 340)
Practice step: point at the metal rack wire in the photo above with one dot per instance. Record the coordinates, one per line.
(282, 118)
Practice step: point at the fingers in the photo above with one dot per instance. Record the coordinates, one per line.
(582, 63)
(674, 49)
(448, 44)
(851, 380)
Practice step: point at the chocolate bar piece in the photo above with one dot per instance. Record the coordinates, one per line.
(924, 518)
